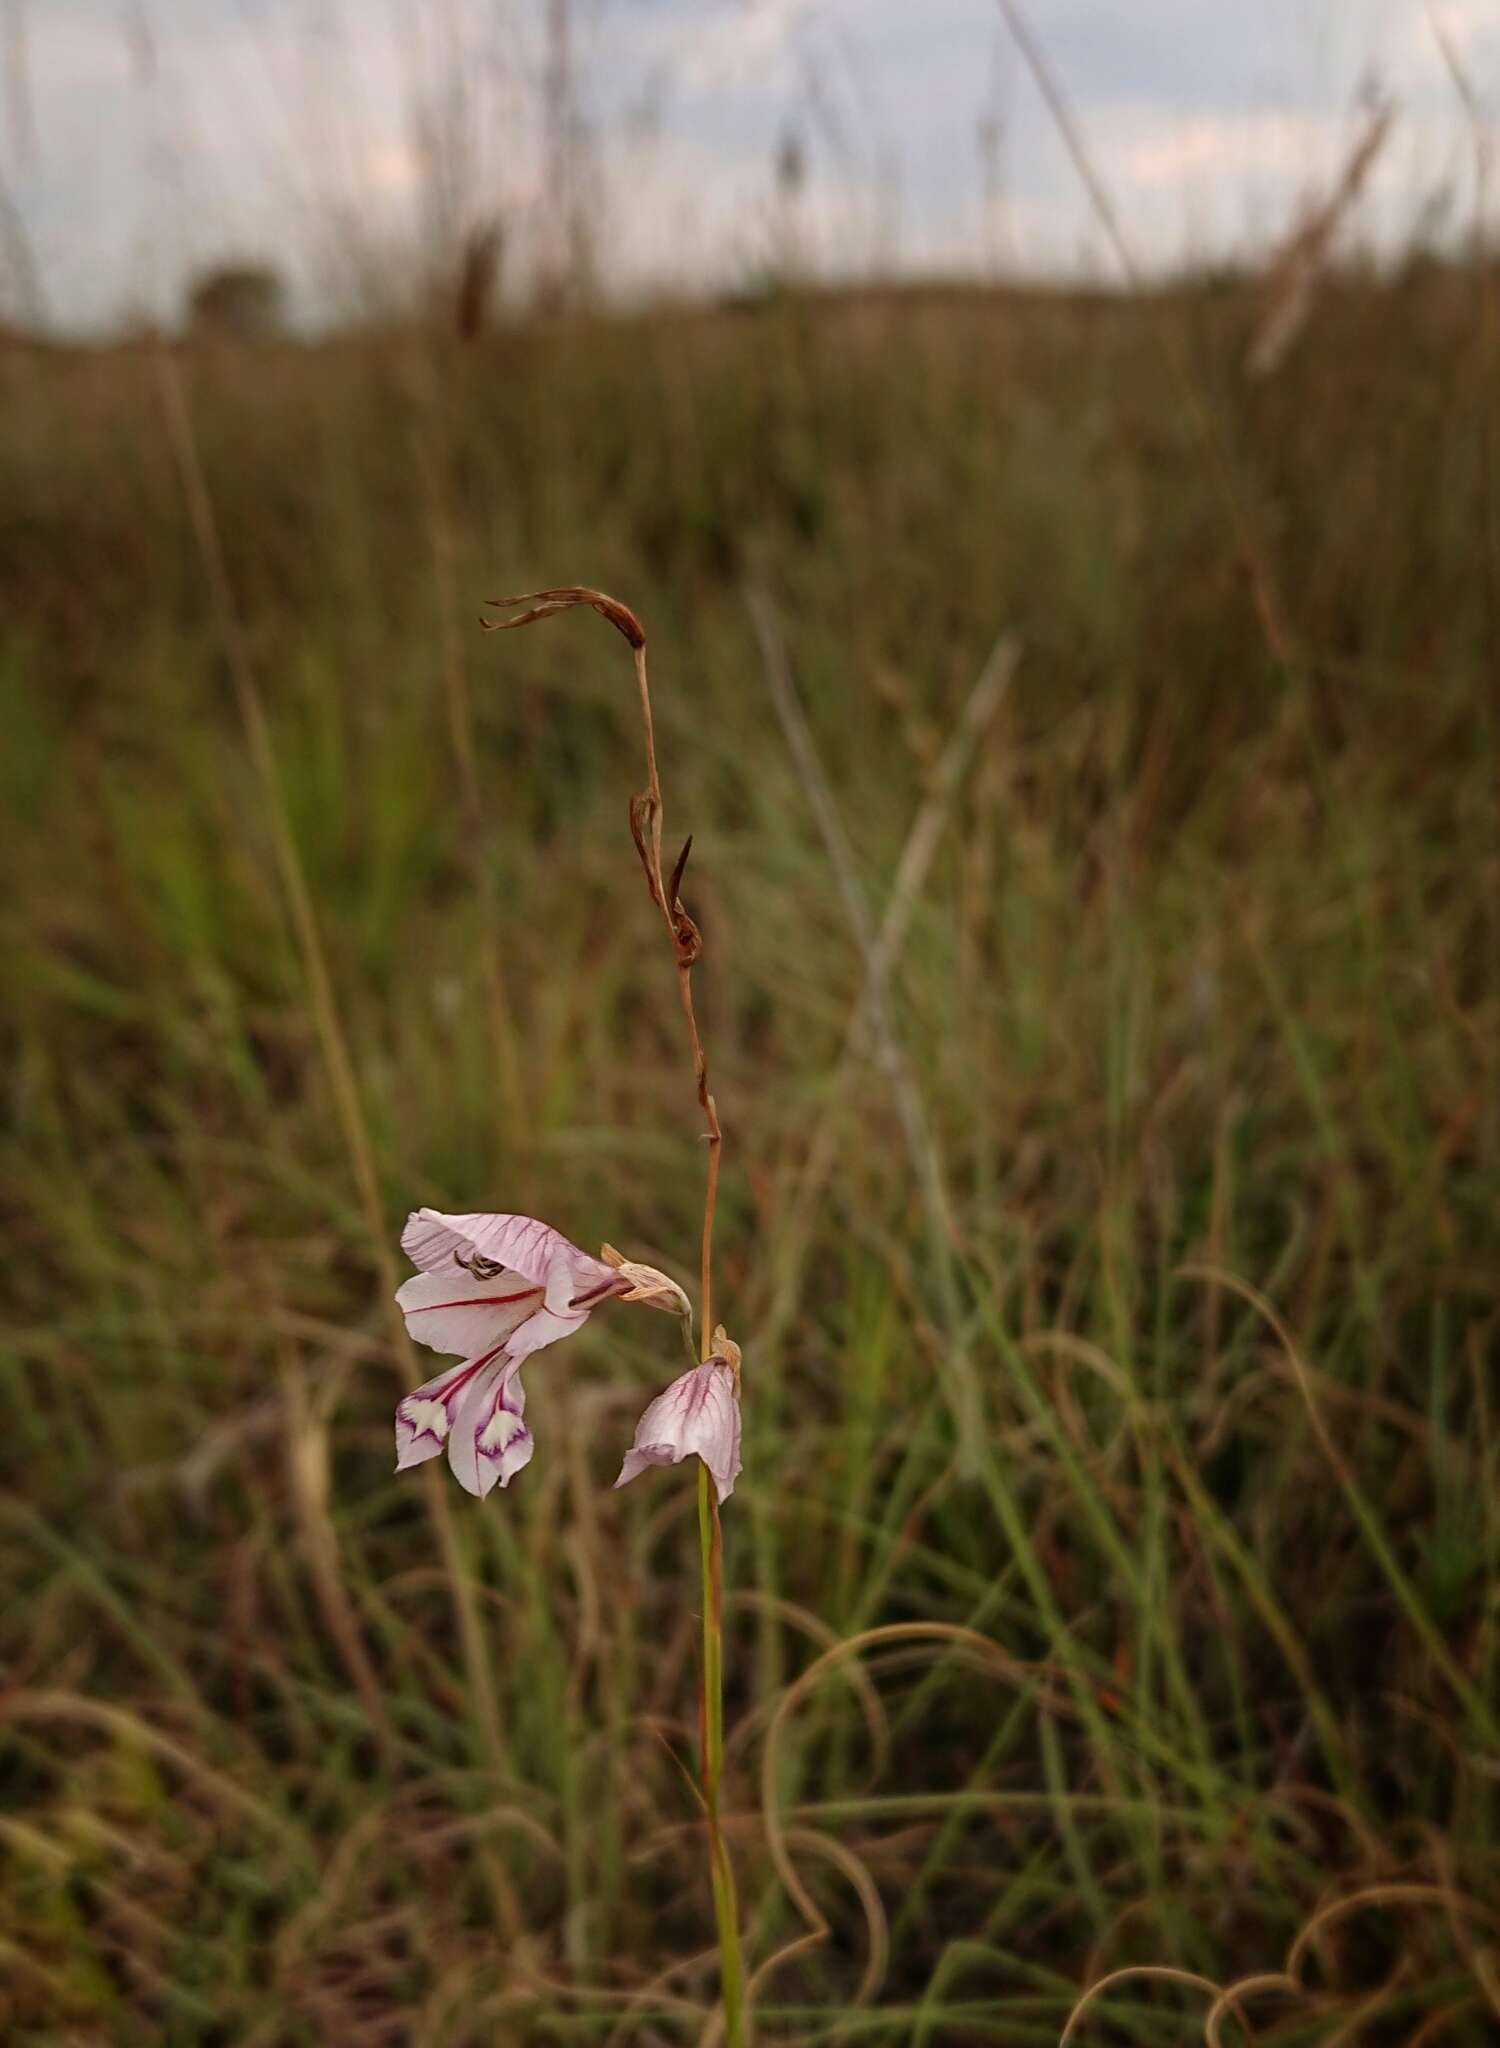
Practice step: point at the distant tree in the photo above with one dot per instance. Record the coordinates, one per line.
(241, 301)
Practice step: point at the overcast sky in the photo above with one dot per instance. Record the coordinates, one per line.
(140, 138)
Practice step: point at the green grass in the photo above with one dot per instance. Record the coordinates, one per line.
(1191, 1635)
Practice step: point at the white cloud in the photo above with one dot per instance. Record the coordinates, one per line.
(288, 126)
(1223, 145)
(716, 50)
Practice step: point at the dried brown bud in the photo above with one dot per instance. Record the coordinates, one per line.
(647, 1284)
(541, 604)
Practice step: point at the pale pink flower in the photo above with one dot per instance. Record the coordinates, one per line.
(698, 1414)
(492, 1289)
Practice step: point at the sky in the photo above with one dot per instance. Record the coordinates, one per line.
(141, 140)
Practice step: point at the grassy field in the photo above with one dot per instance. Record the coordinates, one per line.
(1119, 1301)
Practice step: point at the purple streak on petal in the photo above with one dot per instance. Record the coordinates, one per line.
(598, 1291)
(437, 1242)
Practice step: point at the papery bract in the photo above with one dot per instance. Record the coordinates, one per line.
(698, 1415)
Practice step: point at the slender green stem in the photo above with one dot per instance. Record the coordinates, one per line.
(726, 1914)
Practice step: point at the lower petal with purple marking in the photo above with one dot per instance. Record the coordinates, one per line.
(489, 1442)
(425, 1417)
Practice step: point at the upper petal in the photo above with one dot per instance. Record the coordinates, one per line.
(452, 1311)
(440, 1243)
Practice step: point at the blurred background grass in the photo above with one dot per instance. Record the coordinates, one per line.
(1199, 995)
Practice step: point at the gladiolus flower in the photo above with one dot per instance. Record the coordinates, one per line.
(492, 1289)
(699, 1414)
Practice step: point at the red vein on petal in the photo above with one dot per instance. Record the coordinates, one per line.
(465, 1373)
(477, 1301)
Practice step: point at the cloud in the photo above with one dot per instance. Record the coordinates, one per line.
(724, 48)
(290, 127)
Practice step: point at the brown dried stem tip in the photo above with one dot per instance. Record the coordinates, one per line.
(645, 830)
(542, 603)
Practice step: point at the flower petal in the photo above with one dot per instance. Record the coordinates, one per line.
(540, 1329)
(453, 1311)
(425, 1416)
(699, 1414)
(490, 1442)
(636, 1461)
(439, 1243)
